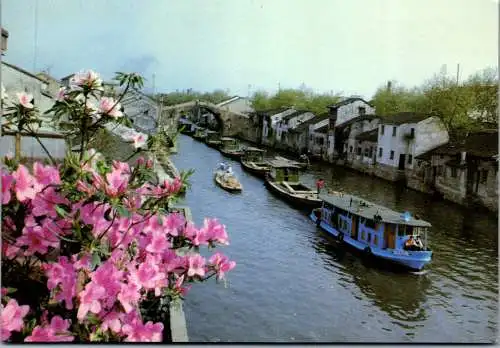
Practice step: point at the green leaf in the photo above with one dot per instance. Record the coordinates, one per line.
(60, 211)
(96, 260)
(122, 211)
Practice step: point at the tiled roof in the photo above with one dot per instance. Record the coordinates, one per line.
(347, 101)
(371, 136)
(294, 114)
(322, 129)
(305, 125)
(23, 71)
(482, 144)
(357, 119)
(403, 117)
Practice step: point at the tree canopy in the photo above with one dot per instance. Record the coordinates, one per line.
(303, 99)
(217, 96)
(462, 105)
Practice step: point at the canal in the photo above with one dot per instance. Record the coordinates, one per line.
(293, 284)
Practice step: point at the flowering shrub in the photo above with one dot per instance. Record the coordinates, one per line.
(92, 246)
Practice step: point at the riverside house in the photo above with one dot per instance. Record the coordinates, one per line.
(318, 136)
(340, 113)
(14, 80)
(462, 172)
(284, 140)
(359, 154)
(270, 124)
(300, 136)
(401, 138)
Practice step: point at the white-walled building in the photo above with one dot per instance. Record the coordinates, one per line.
(340, 113)
(287, 123)
(237, 104)
(270, 124)
(405, 135)
(353, 148)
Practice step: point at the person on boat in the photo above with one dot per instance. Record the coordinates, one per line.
(418, 243)
(410, 243)
(222, 166)
(319, 184)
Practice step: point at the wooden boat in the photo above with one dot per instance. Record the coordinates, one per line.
(230, 147)
(375, 230)
(301, 165)
(213, 139)
(284, 181)
(200, 134)
(228, 183)
(253, 161)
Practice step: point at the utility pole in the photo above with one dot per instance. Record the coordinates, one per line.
(458, 72)
(35, 41)
(154, 75)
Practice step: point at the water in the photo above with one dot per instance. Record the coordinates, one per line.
(293, 284)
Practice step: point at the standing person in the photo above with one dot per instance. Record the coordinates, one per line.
(319, 184)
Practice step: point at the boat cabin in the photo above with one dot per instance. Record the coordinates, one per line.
(230, 144)
(212, 135)
(284, 171)
(253, 154)
(371, 224)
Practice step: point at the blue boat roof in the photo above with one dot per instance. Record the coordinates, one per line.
(368, 210)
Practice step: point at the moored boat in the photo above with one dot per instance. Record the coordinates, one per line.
(375, 230)
(303, 164)
(253, 161)
(213, 139)
(227, 181)
(230, 147)
(284, 181)
(200, 133)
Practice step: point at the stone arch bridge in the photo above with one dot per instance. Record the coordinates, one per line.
(230, 123)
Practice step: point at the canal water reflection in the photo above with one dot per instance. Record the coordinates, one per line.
(293, 283)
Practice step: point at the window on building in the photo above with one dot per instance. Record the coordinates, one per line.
(311, 137)
(484, 176)
(350, 148)
(359, 151)
(453, 172)
(392, 155)
(393, 131)
(371, 152)
(380, 151)
(410, 159)
(362, 110)
(412, 132)
(382, 128)
(366, 152)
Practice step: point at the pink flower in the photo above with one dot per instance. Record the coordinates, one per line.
(196, 265)
(37, 239)
(221, 264)
(138, 332)
(215, 231)
(25, 100)
(129, 296)
(117, 183)
(86, 78)
(61, 94)
(89, 300)
(46, 201)
(11, 318)
(9, 251)
(149, 163)
(57, 331)
(112, 321)
(24, 185)
(62, 278)
(7, 180)
(107, 106)
(147, 274)
(46, 175)
(139, 140)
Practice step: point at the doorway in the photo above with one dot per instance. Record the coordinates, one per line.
(402, 161)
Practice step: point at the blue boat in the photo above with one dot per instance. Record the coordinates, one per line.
(375, 230)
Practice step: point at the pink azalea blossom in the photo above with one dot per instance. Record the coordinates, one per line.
(86, 78)
(90, 300)
(7, 180)
(175, 223)
(62, 277)
(57, 331)
(112, 321)
(25, 184)
(117, 182)
(147, 274)
(25, 100)
(139, 332)
(10, 251)
(61, 94)
(215, 231)
(45, 202)
(11, 318)
(38, 239)
(129, 296)
(46, 175)
(139, 140)
(196, 265)
(221, 264)
(107, 106)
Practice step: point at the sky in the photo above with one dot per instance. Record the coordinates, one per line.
(341, 46)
